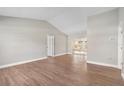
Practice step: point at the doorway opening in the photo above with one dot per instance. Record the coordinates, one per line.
(50, 45)
(80, 46)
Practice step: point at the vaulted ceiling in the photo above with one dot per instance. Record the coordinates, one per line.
(70, 20)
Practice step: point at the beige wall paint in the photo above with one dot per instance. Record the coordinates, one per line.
(26, 39)
(103, 38)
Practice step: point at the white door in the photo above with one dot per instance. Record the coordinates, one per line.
(50, 45)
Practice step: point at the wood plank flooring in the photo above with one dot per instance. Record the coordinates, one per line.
(61, 70)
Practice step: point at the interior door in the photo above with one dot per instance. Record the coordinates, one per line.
(50, 45)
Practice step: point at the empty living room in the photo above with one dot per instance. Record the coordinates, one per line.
(61, 46)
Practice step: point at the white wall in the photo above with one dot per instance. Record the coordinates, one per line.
(26, 39)
(103, 38)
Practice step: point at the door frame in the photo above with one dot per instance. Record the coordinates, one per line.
(120, 45)
(50, 45)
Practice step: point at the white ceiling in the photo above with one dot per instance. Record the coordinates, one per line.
(70, 20)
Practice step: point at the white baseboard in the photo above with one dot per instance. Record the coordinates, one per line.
(27, 61)
(60, 54)
(22, 62)
(103, 64)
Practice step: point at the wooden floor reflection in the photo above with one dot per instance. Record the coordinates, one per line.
(61, 70)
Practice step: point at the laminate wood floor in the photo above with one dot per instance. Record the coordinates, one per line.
(61, 70)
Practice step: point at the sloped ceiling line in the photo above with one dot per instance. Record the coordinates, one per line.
(70, 20)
